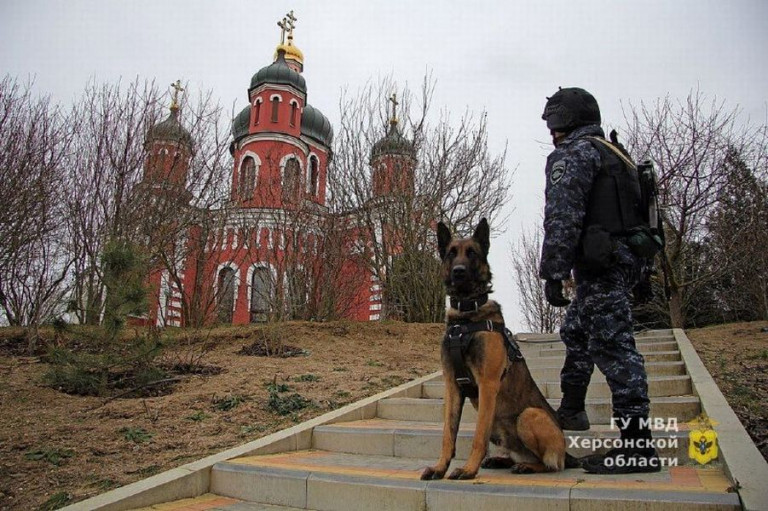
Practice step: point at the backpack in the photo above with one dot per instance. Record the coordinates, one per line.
(624, 201)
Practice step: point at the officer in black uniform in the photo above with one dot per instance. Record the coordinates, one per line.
(584, 217)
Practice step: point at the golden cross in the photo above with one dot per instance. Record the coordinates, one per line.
(176, 89)
(287, 25)
(291, 21)
(394, 102)
(284, 26)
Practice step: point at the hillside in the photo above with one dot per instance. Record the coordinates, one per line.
(57, 448)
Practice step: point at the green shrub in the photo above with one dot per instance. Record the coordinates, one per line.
(198, 416)
(52, 456)
(285, 405)
(227, 403)
(136, 435)
(56, 501)
(72, 379)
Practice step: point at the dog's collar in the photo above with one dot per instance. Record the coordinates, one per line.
(469, 305)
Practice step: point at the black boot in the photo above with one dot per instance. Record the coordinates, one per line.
(571, 413)
(636, 454)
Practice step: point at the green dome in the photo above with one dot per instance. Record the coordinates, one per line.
(393, 143)
(316, 126)
(170, 129)
(240, 123)
(279, 73)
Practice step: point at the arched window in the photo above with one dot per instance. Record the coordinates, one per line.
(291, 180)
(247, 178)
(257, 113)
(314, 175)
(261, 293)
(294, 108)
(225, 299)
(275, 105)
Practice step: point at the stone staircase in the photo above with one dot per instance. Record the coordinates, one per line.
(370, 458)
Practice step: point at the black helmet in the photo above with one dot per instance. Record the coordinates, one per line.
(570, 108)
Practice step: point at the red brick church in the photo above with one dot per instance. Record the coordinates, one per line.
(270, 256)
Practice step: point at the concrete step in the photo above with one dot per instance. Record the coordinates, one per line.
(408, 439)
(554, 339)
(599, 410)
(672, 368)
(323, 480)
(558, 360)
(214, 502)
(658, 386)
(643, 347)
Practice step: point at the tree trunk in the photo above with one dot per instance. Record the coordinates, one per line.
(676, 312)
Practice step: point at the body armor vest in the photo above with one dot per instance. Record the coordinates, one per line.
(615, 199)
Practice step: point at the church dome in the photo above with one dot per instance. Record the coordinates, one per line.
(393, 143)
(170, 129)
(291, 52)
(240, 123)
(279, 73)
(316, 126)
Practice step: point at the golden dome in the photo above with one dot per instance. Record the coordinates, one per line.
(291, 52)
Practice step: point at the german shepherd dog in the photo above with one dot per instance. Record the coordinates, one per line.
(511, 411)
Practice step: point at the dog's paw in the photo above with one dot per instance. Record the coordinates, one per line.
(461, 474)
(495, 462)
(521, 468)
(430, 473)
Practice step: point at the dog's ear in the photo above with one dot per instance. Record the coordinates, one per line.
(482, 236)
(443, 239)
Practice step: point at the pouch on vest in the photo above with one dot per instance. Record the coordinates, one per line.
(643, 242)
(598, 249)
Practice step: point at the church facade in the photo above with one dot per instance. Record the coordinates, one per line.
(277, 252)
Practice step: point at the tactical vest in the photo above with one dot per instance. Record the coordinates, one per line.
(615, 199)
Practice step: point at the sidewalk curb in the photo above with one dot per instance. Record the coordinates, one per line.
(743, 462)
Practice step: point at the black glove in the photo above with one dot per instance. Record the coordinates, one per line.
(553, 291)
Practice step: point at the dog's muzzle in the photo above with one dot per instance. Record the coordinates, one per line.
(459, 273)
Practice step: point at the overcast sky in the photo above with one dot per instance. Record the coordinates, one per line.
(502, 57)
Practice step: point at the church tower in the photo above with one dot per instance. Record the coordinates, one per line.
(169, 148)
(393, 159)
(282, 145)
(281, 149)
(159, 199)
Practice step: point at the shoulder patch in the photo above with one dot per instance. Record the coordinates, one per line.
(558, 171)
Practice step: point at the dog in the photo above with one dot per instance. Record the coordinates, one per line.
(488, 368)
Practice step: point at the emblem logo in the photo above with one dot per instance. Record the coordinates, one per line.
(558, 171)
(702, 440)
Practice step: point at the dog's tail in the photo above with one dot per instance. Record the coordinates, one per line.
(572, 461)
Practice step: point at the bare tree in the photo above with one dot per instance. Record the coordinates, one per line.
(111, 196)
(690, 143)
(35, 139)
(739, 226)
(454, 178)
(538, 314)
(105, 165)
(185, 228)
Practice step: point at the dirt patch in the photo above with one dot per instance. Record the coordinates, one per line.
(57, 448)
(737, 357)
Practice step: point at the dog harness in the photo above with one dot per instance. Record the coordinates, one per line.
(458, 337)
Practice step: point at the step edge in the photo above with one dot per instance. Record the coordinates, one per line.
(580, 490)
